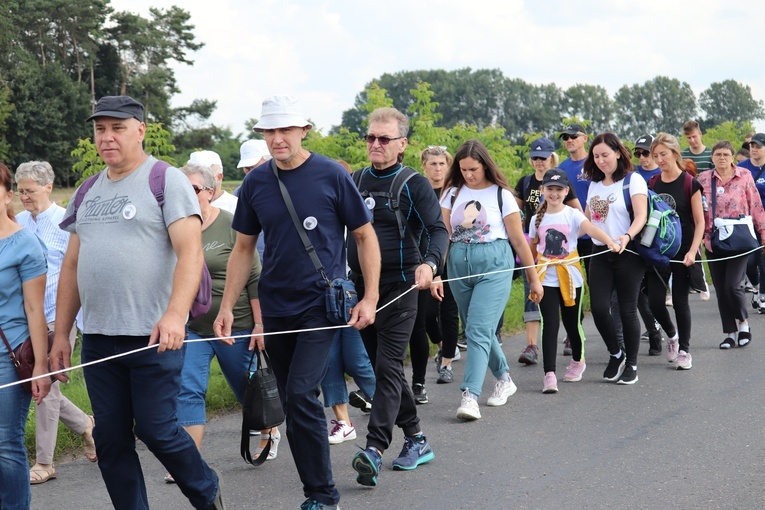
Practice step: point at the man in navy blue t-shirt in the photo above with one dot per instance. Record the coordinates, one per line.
(291, 290)
(756, 165)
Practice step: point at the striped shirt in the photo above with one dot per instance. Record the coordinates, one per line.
(703, 159)
(45, 225)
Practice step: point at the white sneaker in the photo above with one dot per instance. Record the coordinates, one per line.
(468, 409)
(704, 295)
(684, 361)
(457, 355)
(502, 390)
(342, 432)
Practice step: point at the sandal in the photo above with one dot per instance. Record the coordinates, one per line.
(275, 438)
(169, 478)
(744, 337)
(90, 445)
(728, 343)
(39, 474)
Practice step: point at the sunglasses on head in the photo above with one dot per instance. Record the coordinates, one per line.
(538, 158)
(565, 137)
(384, 140)
(199, 189)
(643, 153)
(436, 148)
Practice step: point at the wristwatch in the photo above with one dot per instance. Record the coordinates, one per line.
(433, 267)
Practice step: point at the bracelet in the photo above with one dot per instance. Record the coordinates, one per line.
(256, 325)
(628, 235)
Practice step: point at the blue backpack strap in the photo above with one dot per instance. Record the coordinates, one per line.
(626, 191)
(157, 181)
(79, 197)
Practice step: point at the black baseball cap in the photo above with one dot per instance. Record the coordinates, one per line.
(573, 129)
(759, 139)
(555, 177)
(119, 107)
(644, 142)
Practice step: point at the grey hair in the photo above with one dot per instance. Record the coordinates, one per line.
(208, 178)
(387, 114)
(39, 171)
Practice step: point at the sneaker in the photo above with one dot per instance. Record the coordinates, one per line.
(530, 355)
(755, 303)
(445, 375)
(629, 376)
(644, 336)
(342, 432)
(360, 401)
(567, 347)
(420, 395)
(416, 451)
(550, 383)
(502, 390)
(367, 463)
(671, 350)
(615, 367)
(574, 371)
(684, 361)
(312, 504)
(654, 343)
(704, 295)
(461, 341)
(438, 358)
(468, 409)
(457, 355)
(217, 503)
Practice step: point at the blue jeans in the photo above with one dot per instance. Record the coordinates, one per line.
(14, 470)
(481, 301)
(299, 361)
(141, 388)
(195, 376)
(347, 355)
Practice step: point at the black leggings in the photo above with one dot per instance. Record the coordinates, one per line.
(551, 307)
(657, 293)
(624, 273)
(731, 303)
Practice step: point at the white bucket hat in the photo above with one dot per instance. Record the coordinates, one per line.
(205, 158)
(281, 112)
(251, 152)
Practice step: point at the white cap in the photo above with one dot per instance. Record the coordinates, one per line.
(205, 158)
(281, 112)
(253, 151)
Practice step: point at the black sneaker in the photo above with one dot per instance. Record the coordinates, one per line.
(654, 343)
(567, 347)
(629, 376)
(358, 400)
(420, 395)
(615, 367)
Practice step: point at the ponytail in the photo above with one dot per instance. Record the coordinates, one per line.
(540, 214)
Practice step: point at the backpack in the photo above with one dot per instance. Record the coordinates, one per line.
(393, 197)
(203, 300)
(666, 242)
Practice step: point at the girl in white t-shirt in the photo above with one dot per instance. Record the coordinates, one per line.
(554, 231)
(481, 215)
(607, 163)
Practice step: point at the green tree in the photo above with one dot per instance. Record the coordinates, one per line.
(729, 100)
(661, 104)
(590, 102)
(530, 108)
(6, 109)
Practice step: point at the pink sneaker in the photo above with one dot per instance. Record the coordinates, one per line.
(574, 371)
(671, 350)
(551, 383)
(684, 361)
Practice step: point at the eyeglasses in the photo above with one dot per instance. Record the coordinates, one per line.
(384, 140)
(643, 153)
(566, 137)
(538, 158)
(199, 189)
(722, 155)
(28, 192)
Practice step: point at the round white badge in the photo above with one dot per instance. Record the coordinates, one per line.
(129, 212)
(310, 223)
(370, 203)
(720, 190)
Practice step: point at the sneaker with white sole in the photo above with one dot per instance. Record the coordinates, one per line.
(629, 376)
(684, 360)
(615, 367)
(468, 409)
(457, 355)
(671, 349)
(342, 432)
(704, 295)
(502, 390)
(550, 383)
(574, 371)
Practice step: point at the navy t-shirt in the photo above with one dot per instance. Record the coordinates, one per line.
(759, 178)
(577, 180)
(326, 202)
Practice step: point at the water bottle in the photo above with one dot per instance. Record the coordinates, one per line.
(649, 231)
(704, 204)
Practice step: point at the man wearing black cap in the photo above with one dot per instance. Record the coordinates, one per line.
(130, 302)
(647, 167)
(756, 165)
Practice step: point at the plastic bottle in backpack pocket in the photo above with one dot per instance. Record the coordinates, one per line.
(649, 231)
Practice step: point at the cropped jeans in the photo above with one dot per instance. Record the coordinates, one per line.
(347, 356)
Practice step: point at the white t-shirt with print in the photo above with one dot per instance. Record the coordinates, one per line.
(475, 216)
(558, 234)
(607, 208)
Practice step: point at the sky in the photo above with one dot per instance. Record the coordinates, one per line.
(325, 52)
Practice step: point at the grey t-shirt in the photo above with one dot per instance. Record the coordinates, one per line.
(126, 261)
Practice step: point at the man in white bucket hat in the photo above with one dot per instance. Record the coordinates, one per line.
(292, 291)
(252, 153)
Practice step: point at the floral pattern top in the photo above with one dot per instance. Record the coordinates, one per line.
(735, 198)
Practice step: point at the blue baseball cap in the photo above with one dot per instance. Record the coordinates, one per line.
(541, 148)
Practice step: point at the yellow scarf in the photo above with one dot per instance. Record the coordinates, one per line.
(565, 268)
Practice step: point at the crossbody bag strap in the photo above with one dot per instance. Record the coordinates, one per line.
(301, 231)
(714, 196)
(8, 346)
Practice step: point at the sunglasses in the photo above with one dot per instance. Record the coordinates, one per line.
(384, 140)
(539, 158)
(199, 189)
(643, 153)
(566, 137)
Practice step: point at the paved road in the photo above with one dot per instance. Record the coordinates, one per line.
(675, 440)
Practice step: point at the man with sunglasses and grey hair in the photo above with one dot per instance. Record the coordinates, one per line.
(413, 241)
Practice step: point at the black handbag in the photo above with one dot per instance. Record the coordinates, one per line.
(731, 236)
(340, 295)
(262, 408)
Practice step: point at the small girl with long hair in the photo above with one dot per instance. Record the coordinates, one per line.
(554, 231)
